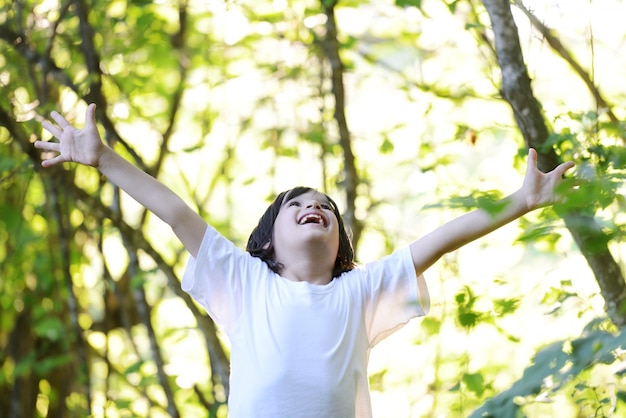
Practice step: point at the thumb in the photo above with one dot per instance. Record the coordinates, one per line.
(532, 159)
(90, 114)
(563, 167)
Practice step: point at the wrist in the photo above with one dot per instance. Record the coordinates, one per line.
(521, 202)
(106, 158)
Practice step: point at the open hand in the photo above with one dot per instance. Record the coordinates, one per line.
(539, 187)
(82, 146)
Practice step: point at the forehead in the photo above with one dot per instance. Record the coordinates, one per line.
(310, 195)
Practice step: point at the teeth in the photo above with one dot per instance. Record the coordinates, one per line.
(311, 218)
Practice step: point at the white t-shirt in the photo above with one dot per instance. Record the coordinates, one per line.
(299, 349)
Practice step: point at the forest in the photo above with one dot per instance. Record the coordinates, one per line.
(408, 112)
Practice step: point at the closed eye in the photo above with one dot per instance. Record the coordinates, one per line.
(327, 207)
(293, 203)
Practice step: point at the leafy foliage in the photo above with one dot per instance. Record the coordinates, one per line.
(231, 102)
(557, 365)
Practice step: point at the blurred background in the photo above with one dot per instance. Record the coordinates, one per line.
(407, 112)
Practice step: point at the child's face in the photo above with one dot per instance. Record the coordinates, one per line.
(306, 222)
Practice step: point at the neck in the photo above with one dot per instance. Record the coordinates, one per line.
(308, 268)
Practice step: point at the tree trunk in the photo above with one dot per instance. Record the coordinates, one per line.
(517, 91)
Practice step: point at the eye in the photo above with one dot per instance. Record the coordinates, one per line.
(293, 203)
(326, 206)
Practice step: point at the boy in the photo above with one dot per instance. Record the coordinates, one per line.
(301, 317)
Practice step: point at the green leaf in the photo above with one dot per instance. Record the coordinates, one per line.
(49, 364)
(386, 147)
(468, 319)
(553, 363)
(315, 136)
(431, 325)
(134, 368)
(506, 306)
(377, 380)
(475, 382)
(50, 327)
(466, 316)
(409, 3)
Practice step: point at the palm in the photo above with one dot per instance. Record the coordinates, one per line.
(540, 187)
(82, 146)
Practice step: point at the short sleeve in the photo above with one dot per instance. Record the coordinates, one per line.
(216, 277)
(391, 295)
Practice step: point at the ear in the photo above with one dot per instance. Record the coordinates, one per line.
(267, 245)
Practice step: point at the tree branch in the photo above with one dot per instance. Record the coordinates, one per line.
(136, 241)
(143, 309)
(53, 184)
(330, 45)
(560, 49)
(516, 89)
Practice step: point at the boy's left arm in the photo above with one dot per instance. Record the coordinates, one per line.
(538, 189)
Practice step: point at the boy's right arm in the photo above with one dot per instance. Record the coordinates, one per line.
(84, 146)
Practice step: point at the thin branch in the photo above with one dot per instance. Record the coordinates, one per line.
(558, 47)
(208, 405)
(135, 240)
(19, 41)
(47, 54)
(330, 45)
(52, 185)
(516, 89)
(143, 309)
(49, 67)
(178, 43)
(114, 371)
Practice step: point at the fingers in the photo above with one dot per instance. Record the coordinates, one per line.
(60, 120)
(54, 130)
(53, 161)
(48, 146)
(562, 168)
(63, 124)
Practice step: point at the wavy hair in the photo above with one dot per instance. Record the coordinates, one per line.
(261, 241)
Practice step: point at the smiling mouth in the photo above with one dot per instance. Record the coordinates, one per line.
(312, 218)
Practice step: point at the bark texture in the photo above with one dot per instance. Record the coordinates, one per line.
(517, 91)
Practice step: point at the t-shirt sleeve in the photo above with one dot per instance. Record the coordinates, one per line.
(391, 295)
(216, 277)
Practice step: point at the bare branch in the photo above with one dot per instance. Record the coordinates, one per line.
(330, 45)
(560, 49)
(53, 185)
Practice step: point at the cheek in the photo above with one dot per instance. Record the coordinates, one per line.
(338, 240)
(280, 230)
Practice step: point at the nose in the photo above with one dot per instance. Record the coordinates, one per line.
(314, 204)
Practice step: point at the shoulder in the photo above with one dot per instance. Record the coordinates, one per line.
(221, 259)
(398, 262)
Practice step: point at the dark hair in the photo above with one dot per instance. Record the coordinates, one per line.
(261, 245)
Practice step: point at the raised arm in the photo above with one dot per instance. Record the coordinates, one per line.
(84, 146)
(538, 189)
